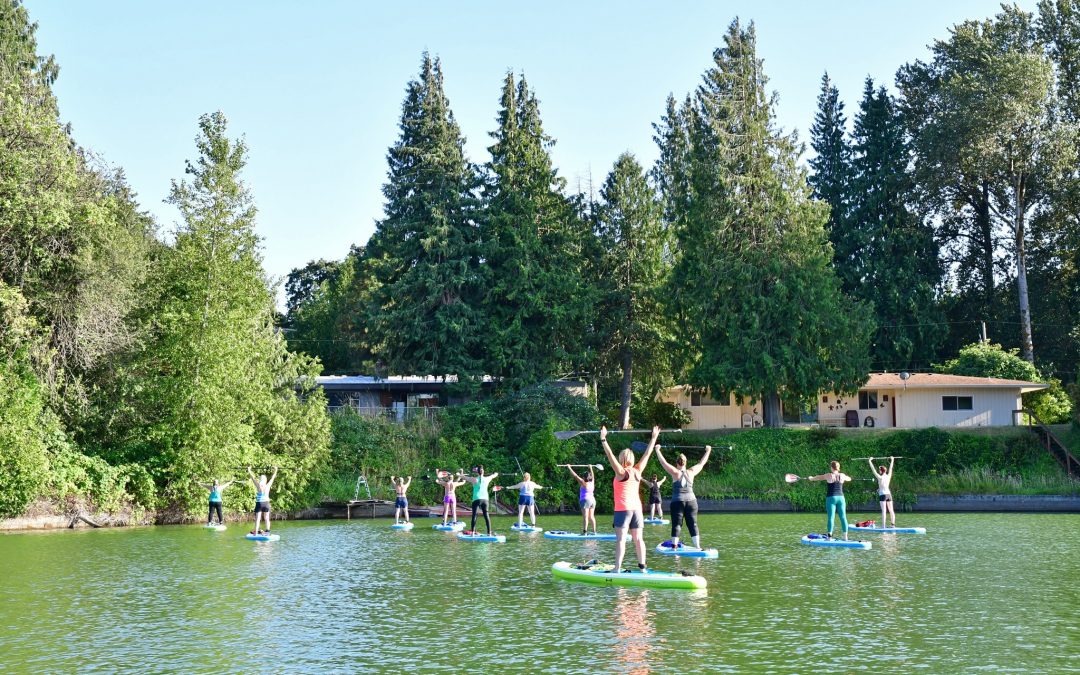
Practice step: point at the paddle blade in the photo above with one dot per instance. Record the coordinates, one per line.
(599, 467)
(565, 435)
(790, 477)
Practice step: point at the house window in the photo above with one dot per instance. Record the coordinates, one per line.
(699, 399)
(867, 400)
(956, 403)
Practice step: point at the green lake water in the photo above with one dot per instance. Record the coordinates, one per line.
(978, 593)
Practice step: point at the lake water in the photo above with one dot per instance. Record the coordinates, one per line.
(978, 593)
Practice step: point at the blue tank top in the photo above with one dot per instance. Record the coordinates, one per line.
(261, 497)
(215, 495)
(836, 489)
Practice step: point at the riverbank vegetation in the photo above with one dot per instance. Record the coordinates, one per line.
(135, 364)
(939, 462)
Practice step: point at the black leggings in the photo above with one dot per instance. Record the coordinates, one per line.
(679, 510)
(482, 504)
(214, 506)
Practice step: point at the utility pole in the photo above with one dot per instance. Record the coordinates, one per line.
(983, 331)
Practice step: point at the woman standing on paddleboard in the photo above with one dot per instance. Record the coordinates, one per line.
(526, 497)
(683, 500)
(262, 499)
(656, 505)
(834, 499)
(884, 491)
(480, 484)
(450, 485)
(401, 502)
(586, 499)
(627, 485)
(215, 489)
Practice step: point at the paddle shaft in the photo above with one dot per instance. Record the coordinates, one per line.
(566, 435)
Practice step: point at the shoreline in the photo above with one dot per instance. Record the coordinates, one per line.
(923, 504)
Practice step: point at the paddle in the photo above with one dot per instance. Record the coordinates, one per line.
(792, 478)
(641, 446)
(856, 458)
(599, 467)
(565, 435)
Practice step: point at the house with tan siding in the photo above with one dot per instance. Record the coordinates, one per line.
(709, 413)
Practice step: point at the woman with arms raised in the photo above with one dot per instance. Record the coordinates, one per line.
(586, 499)
(627, 485)
(683, 501)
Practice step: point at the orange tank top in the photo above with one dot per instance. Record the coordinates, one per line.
(627, 492)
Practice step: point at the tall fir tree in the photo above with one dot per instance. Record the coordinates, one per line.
(211, 385)
(831, 183)
(752, 285)
(425, 313)
(634, 331)
(901, 271)
(535, 301)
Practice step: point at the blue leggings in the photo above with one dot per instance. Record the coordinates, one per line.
(836, 506)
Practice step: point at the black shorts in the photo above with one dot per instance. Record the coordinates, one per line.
(654, 500)
(631, 520)
(262, 507)
(884, 498)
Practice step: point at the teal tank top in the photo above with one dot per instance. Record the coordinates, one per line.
(215, 495)
(480, 488)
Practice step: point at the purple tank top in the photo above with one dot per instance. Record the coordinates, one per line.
(587, 490)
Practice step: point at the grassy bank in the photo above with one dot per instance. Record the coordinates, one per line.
(939, 462)
(502, 435)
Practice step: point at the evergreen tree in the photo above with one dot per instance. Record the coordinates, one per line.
(425, 315)
(831, 183)
(901, 271)
(535, 300)
(212, 386)
(752, 284)
(630, 320)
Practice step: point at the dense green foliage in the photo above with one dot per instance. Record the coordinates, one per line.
(631, 326)
(535, 298)
(897, 271)
(500, 434)
(1006, 461)
(211, 386)
(990, 143)
(757, 307)
(425, 314)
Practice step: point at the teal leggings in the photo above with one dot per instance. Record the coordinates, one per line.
(836, 506)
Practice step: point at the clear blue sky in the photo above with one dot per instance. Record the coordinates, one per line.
(316, 87)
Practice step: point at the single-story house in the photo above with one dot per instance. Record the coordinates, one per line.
(915, 400)
(709, 413)
(920, 400)
(403, 397)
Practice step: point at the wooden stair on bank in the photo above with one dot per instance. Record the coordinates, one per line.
(1052, 443)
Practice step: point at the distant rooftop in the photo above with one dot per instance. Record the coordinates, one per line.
(939, 381)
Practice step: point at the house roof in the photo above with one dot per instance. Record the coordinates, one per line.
(393, 381)
(397, 381)
(940, 381)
